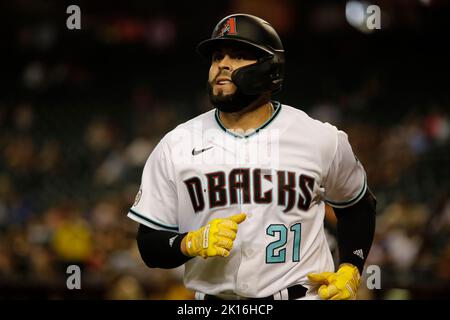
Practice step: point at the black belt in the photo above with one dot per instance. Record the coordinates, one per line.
(294, 292)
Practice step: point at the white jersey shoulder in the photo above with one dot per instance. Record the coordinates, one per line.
(344, 178)
(156, 204)
(198, 124)
(323, 134)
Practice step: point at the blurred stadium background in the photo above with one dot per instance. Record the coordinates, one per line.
(81, 110)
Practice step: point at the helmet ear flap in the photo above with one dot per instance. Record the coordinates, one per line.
(277, 74)
(264, 75)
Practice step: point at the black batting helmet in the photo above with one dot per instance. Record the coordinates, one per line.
(267, 73)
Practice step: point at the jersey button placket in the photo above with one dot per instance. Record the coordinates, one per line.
(247, 156)
(241, 162)
(246, 164)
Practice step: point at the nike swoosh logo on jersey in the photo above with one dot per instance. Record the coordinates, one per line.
(196, 152)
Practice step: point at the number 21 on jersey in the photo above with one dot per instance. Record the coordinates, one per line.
(281, 232)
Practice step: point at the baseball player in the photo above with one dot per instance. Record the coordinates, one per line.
(238, 193)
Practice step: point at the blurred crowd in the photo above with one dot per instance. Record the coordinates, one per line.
(84, 110)
(56, 211)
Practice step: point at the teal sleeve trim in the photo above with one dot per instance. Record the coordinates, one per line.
(153, 222)
(352, 201)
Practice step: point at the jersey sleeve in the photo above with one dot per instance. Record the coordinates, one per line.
(345, 183)
(156, 202)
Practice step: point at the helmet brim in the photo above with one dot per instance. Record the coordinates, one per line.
(206, 47)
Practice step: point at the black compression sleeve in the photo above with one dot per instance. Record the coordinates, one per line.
(355, 230)
(158, 249)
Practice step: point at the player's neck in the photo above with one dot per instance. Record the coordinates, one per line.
(248, 119)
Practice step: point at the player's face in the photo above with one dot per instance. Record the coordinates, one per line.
(224, 62)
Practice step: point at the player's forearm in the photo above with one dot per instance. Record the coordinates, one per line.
(355, 229)
(161, 249)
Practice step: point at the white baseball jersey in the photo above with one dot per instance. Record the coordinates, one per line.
(280, 175)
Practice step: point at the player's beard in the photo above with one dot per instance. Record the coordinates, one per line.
(230, 103)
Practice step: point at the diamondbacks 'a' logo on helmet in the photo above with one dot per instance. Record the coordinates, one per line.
(229, 28)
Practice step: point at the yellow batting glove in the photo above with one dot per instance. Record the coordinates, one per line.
(214, 239)
(340, 285)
